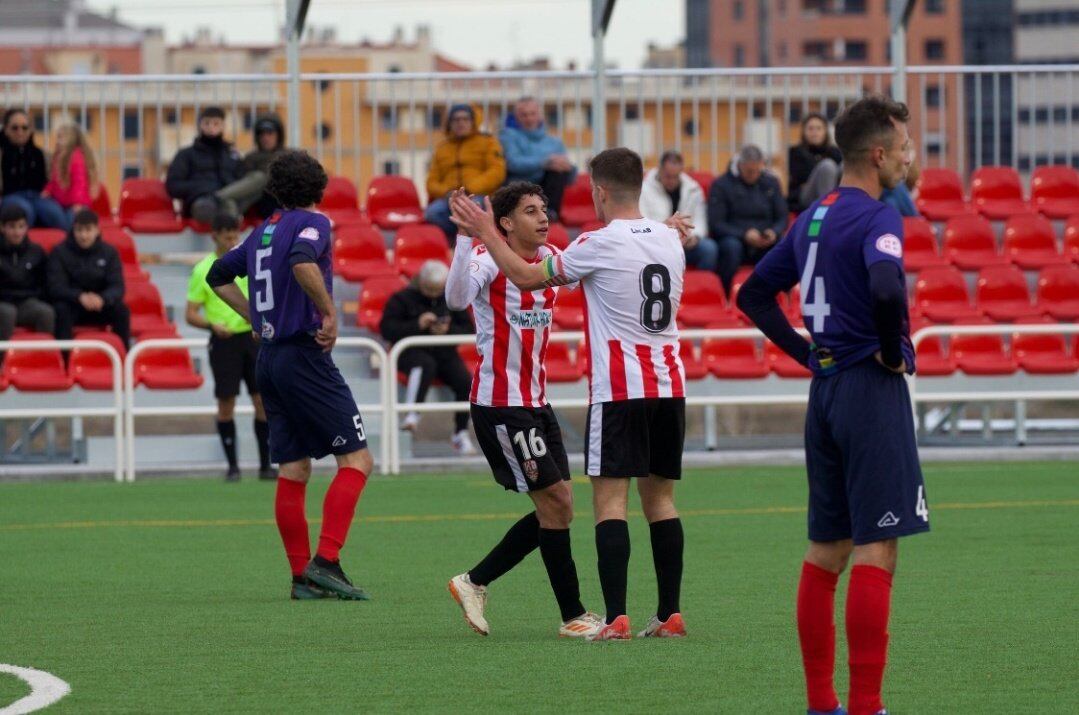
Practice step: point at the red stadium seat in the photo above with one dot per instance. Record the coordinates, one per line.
(416, 244)
(740, 277)
(341, 203)
(969, 243)
(695, 367)
(569, 309)
(982, 354)
(734, 359)
(1030, 242)
(145, 207)
(941, 295)
(931, 357)
(469, 355)
(47, 238)
(1002, 293)
(560, 365)
(557, 236)
(166, 368)
(940, 195)
(121, 240)
(90, 369)
(783, 364)
(392, 202)
(996, 192)
(34, 370)
(577, 207)
(920, 248)
(1043, 354)
(1054, 191)
(102, 206)
(702, 299)
(359, 252)
(373, 297)
(1071, 238)
(147, 309)
(704, 179)
(1058, 292)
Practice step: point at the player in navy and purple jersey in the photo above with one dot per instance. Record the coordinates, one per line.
(865, 483)
(309, 407)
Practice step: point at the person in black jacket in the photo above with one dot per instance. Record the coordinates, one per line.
(209, 176)
(746, 213)
(86, 281)
(22, 277)
(24, 173)
(269, 143)
(421, 309)
(813, 165)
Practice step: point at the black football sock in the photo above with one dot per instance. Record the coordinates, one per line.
(227, 432)
(262, 435)
(667, 546)
(521, 540)
(557, 553)
(612, 552)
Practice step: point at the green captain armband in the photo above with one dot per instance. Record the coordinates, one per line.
(549, 271)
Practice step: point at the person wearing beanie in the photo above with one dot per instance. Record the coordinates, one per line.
(269, 136)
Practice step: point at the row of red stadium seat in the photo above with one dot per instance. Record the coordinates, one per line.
(940, 294)
(970, 243)
(997, 193)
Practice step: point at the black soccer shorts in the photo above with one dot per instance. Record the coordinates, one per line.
(232, 360)
(523, 445)
(635, 438)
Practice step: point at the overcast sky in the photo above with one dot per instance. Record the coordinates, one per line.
(475, 32)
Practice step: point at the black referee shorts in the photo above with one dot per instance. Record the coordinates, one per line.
(232, 360)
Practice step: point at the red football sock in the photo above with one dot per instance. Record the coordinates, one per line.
(338, 510)
(292, 523)
(816, 631)
(868, 603)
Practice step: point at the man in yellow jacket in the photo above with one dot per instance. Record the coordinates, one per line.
(466, 157)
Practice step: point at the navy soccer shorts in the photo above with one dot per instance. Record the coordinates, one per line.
(865, 482)
(308, 405)
(523, 445)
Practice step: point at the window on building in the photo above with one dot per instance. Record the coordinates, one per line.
(815, 5)
(248, 119)
(933, 148)
(934, 7)
(932, 96)
(738, 10)
(795, 115)
(1060, 114)
(1041, 115)
(436, 117)
(391, 167)
(393, 69)
(1075, 113)
(831, 109)
(324, 84)
(934, 49)
(855, 50)
(1024, 116)
(850, 7)
(131, 125)
(387, 117)
(170, 117)
(817, 50)
(550, 117)
(739, 56)
(132, 171)
(198, 69)
(324, 131)
(689, 128)
(633, 111)
(1024, 162)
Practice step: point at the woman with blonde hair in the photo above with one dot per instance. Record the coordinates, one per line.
(73, 171)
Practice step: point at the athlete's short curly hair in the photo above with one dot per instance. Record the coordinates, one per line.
(505, 200)
(297, 180)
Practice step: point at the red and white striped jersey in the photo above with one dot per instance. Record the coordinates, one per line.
(512, 328)
(631, 272)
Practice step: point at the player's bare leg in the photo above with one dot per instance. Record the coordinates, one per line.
(668, 543)
(824, 561)
(609, 499)
(289, 510)
(868, 606)
(226, 430)
(262, 437)
(338, 510)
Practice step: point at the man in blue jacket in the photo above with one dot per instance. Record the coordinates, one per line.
(534, 155)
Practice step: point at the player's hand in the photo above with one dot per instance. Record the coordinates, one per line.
(91, 302)
(753, 238)
(441, 327)
(426, 320)
(558, 162)
(769, 237)
(220, 330)
(558, 281)
(327, 334)
(901, 369)
(477, 222)
(684, 226)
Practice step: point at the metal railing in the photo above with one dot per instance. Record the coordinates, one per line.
(361, 125)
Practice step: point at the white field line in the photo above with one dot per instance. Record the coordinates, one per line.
(45, 689)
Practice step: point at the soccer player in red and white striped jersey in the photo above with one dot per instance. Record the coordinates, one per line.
(631, 272)
(516, 428)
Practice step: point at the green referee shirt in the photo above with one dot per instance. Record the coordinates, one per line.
(217, 311)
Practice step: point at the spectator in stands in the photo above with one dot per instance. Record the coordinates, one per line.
(73, 174)
(813, 164)
(269, 141)
(22, 277)
(23, 173)
(746, 213)
(901, 197)
(534, 155)
(86, 281)
(421, 309)
(233, 349)
(466, 158)
(668, 190)
(208, 176)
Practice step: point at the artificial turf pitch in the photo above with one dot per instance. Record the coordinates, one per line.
(171, 596)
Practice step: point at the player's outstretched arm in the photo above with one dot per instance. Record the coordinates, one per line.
(309, 276)
(480, 223)
(758, 301)
(458, 295)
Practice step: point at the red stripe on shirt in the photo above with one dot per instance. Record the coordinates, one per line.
(528, 341)
(550, 297)
(618, 370)
(499, 395)
(648, 371)
(677, 389)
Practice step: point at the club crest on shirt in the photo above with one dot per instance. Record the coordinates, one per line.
(531, 318)
(310, 233)
(267, 330)
(890, 244)
(531, 470)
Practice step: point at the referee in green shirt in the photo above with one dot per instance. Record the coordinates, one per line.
(233, 349)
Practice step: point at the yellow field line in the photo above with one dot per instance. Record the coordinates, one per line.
(424, 518)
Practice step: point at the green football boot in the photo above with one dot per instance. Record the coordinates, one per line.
(328, 575)
(304, 590)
